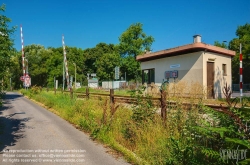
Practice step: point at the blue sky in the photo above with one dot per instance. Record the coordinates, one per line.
(86, 23)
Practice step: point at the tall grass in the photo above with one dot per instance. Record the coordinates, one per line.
(191, 134)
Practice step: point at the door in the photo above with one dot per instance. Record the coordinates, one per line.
(210, 80)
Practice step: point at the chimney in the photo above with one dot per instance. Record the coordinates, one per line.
(197, 38)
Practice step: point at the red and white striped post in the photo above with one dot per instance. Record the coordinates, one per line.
(23, 63)
(241, 74)
(65, 62)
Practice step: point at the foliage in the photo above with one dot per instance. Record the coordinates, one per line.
(36, 55)
(45, 64)
(198, 133)
(36, 90)
(133, 42)
(102, 60)
(6, 43)
(243, 37)
(1, 97)
(192, 134)
(143, 109)
(106, 65)
(222, 45)
(131, 67)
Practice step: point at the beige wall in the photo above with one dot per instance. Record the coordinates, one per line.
(219, 79)
(191, 67)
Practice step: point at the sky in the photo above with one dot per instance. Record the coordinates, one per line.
(85, 23)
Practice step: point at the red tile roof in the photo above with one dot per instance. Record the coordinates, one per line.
(195, 47)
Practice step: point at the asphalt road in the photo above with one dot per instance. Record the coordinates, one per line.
(237, 94)
(30, 134)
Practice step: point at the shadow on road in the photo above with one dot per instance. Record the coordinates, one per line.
(7, 101)
(11, 129)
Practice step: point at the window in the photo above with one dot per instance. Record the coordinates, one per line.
(148, 76)
(224, 69)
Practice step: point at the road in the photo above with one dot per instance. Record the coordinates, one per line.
(237, 94)
(34, 135)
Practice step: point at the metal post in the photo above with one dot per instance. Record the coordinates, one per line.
(75, 74)
(54, 84)
(241, 74)
(63, 75)
(10, 85)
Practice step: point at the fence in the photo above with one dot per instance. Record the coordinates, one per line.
(157, 101)
(236, 87)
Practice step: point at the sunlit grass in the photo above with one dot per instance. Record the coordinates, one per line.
(146, 142)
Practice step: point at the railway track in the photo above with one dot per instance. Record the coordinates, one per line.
(155, 101)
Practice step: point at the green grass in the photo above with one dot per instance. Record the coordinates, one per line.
(140, 138)
(123, 92)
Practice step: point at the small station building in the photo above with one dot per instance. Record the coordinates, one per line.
(197, 62)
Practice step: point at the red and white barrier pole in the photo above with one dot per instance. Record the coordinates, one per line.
(23, 64)
(241, 73)
(65, 62)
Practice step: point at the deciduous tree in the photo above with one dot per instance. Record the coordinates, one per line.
(243, 33)
(222, 45)
(6, 42)
(133, 42)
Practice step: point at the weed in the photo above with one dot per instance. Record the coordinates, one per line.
(193, 133)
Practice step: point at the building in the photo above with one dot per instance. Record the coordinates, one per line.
(197, 62)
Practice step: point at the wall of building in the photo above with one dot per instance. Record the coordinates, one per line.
(189, 66)
(219, 79)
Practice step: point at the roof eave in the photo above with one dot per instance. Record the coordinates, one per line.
(184, 50)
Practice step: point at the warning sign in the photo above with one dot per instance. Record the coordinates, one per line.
(171, 74)
(27, 81)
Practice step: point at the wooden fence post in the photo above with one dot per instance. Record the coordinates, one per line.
(112, 100)
(54, 90)
(71, 93)
(163, 105)
(87, 92)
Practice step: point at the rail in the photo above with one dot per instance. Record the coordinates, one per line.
(157, 101)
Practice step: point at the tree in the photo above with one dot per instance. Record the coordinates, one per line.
(6, 43)
(94, 59)
(37, 57)
(133, 42)
(222, 45)
(15, 70)
(243, 33)
(106, 65)
(76, 57)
